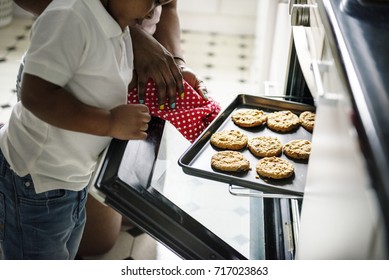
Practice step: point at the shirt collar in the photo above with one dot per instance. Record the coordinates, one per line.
(110, 27)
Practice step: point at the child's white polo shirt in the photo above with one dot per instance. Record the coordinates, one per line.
(77, 45)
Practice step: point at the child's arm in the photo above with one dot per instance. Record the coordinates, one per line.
(60, 108)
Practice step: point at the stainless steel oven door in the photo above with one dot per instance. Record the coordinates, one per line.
(341, 217)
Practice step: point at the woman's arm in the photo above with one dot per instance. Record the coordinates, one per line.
(168, 31)
(152, 60)
(154, 57)
(33, 6)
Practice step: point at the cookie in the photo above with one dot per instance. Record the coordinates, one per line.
(282, 121)
(275, 168)
(265, 146)
(249, 117)
(298, 149)
(229, 139)
(307, 120)
(232, 161)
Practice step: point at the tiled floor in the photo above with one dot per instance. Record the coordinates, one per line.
(13, 43)
(223, 61)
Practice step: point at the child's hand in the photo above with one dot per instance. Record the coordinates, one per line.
(129, 121)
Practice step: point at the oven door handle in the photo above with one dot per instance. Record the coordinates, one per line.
(240, 191)
(319, 67)
(317, 76)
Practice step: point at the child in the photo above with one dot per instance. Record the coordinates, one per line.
(74, 95)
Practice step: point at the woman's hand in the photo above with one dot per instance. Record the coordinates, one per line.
(152, 60)
(197, 84)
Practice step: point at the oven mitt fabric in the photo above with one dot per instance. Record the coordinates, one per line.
(190, 116)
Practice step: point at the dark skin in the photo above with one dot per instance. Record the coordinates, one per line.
(149, 61)
(60, 108)
(168, 34)
(35, 7)
(153, 55)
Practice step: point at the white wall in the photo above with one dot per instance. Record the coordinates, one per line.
(272, 46)
(223, 16)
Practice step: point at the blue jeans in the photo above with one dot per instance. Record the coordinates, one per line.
(38, 226)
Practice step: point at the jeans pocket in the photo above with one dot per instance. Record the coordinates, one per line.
(27, 194)
(2, 216)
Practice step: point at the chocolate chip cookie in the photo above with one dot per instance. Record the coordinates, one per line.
(229, 140)
(298, 149)
(282, 121)
(265, 146)
(232, 161)
(249, 117)
(275, 168)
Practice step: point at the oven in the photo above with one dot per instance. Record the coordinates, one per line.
(346, 198)
(338, 68)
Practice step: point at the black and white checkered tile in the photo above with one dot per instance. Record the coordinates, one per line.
(13, 43)
(134, 244)
(223, 61)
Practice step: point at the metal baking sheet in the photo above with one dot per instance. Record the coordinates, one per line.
(197, 158)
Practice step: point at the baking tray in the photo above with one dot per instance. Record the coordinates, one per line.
(196, 160)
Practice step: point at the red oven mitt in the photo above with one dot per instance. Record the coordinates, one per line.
(191, 114)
